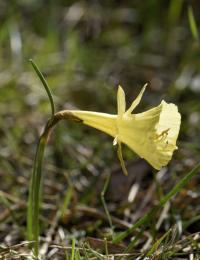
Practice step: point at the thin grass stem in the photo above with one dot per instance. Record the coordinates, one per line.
(192, 23)
(73, 249)
(104, 203)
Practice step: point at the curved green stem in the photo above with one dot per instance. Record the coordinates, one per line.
(34, 194)
(35, 187)
(35, 184)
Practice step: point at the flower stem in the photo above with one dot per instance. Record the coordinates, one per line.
(35, 184)
(34, 194)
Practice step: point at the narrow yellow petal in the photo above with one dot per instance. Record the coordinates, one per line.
(101, 121)
(121, 102)
(136, 101)
(121, 159)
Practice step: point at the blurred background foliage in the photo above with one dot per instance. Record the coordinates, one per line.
(85, 49)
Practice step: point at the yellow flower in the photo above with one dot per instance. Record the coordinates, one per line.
(151, 134)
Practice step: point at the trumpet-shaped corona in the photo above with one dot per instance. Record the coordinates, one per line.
(151, 134)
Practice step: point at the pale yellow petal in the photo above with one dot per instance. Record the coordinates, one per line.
(121, 102)
(152, 134)
(136, 101)
(101, 121)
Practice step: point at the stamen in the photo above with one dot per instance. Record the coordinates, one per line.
(162, 136)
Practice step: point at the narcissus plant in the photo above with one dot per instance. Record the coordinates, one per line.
(151, 134)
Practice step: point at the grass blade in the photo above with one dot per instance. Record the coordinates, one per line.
(157, 243)
(147, 217)
(104, 203)
(192, 23)
(73, 249)
(67, 199)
